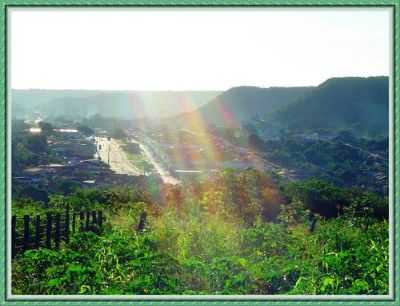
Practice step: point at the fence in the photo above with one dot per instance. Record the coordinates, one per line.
(48, 231)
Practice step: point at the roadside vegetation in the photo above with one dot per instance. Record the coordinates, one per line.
(237, 233)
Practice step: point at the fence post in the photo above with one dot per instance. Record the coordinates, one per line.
(94, 218)
(26, 232)
(73, 221)
(48, 230)
(13, 236)
(87, 220)
(67, 224)
(82, 219)
(37, 232)
(142, 222)
(57, 238)
(100, 219)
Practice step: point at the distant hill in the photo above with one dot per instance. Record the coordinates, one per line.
(354, 103)
(238, 104)
(118, 104)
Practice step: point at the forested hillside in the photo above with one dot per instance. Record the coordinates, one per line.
(236, 105)
(357, 104)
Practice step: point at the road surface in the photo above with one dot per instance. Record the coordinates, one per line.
(120, 163)
(164, 174)
(118, 160)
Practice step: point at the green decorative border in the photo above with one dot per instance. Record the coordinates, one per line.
(312, 300)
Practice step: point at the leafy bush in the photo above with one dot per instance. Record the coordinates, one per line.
(114, 264)
(217, 238)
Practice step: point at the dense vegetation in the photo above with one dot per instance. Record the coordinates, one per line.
(344, 160)
(358, 104)
(238, 233)
(29, 149)
(239, 104)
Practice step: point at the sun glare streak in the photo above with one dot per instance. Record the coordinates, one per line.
(227, 116)
(199, 131)
(136, 105)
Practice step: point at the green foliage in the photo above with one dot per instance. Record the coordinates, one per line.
(359, 104)
(36, 143)
(66, 187)
(344, 160)
(318, 196)
(114, 264)
(329, 200)
(22, 156)
(33, 193)
(28, 149)
(112, 200)
(27, 206)
(354, 258)
(245, 102)
(215, 238)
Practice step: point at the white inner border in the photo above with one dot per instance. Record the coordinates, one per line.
(390, 296)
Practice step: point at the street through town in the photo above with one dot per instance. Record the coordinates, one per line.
(110, 150)
(164, 174)
(111, 153)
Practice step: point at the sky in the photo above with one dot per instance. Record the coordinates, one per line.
(194, 49)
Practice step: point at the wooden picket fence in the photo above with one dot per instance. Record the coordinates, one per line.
(48, 231)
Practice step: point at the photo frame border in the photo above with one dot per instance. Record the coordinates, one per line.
(394, 291)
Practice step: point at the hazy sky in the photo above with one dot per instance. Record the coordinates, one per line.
(183, 49)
